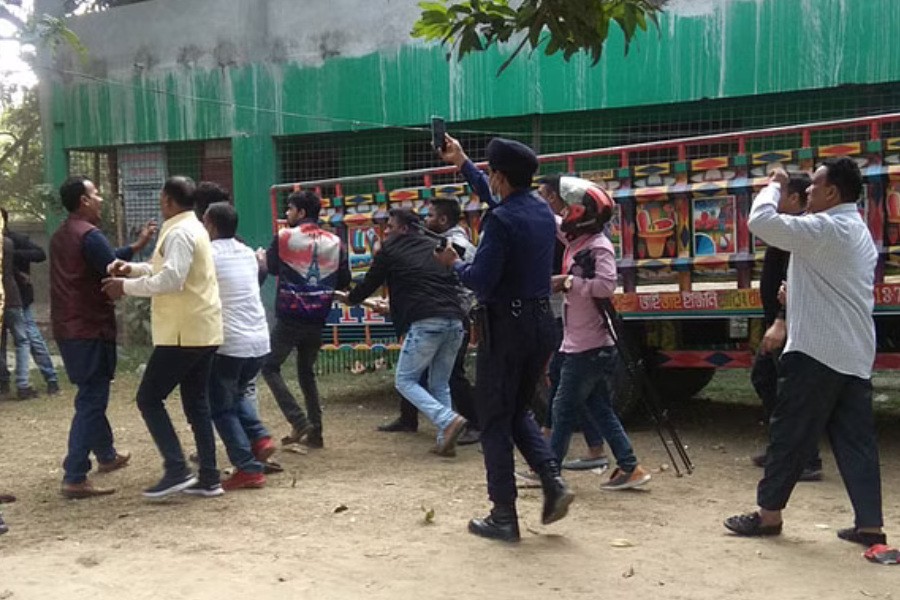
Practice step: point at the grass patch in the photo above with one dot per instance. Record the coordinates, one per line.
(732, 386)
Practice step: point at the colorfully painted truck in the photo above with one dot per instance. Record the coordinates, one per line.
(688, 263)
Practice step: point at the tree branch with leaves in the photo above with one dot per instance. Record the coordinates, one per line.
(567, 26)
(21, 156)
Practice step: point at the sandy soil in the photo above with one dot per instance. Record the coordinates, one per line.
(289, 541)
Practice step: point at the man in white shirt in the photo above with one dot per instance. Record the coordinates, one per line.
(240, 357)
(826, 366)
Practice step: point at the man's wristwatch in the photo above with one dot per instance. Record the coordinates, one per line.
(567, 283)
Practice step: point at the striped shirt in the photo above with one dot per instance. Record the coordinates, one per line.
(243, 315)
(830, 281)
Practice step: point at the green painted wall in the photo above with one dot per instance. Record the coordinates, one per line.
(747, 48)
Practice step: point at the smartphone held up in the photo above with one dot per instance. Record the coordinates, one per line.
(438, 134)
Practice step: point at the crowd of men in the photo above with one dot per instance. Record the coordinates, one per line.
(531, 289)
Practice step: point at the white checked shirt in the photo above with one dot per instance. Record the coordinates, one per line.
(830, 281)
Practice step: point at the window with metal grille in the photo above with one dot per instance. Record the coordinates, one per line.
(130, 178)
(305, 159)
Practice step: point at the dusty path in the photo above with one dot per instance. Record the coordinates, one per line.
(287, 541)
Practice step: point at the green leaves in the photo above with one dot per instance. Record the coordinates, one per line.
(567, 26)
(21, 154)
(39, 29)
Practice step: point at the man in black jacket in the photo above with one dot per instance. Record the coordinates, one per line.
(425, 306)
(764, 375)
(443, 219)
(26, 252)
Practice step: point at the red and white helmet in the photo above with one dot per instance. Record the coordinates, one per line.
(588, 209)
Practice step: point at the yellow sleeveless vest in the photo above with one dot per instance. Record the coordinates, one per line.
(193, 316)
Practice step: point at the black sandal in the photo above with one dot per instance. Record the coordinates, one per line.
(852, 534)
(750, 525)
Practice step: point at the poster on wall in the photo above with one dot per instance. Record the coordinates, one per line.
(142, 172)
(655, 229)
(715, 225)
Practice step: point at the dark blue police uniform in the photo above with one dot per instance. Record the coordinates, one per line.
(511, 276)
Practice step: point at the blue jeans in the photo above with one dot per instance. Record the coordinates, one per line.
(228, 378)
(592, 436)
(39, 351)
(586, 385)
(430, 344)
(247, 409)
(91, 365)
(38, 347)
(15, 323)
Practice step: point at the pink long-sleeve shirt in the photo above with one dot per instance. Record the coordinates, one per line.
(584, 325)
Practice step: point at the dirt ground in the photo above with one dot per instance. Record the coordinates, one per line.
(290, 540)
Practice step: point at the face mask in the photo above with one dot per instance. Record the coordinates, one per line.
(492, 186)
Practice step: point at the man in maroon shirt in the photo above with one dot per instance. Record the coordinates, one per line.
(84, 326)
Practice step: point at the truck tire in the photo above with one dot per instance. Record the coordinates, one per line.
(625, 398)
(681, 384)
(626, 395)
(672, 385)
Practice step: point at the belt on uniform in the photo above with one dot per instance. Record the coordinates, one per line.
(517, 306)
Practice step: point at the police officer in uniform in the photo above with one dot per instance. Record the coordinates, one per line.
(511, 277)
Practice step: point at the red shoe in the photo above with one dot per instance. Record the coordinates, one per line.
(263, 449)
(244, 480)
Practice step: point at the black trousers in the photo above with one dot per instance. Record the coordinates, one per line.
(189, 368)
(813, 398)
(306, 339)
(764, 377)
(512, 355)
(461, 391)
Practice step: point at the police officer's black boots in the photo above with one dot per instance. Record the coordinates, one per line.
(557, 495)
(502, 524)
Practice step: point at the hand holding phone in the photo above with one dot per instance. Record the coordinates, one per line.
(438, 133)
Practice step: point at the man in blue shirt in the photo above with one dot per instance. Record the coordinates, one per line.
(511, 277)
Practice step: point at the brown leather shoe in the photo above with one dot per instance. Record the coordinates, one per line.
(451, 434)
(451, 453)
(85, 489)
(121, 460)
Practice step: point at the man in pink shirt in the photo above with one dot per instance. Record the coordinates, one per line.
(589, 353)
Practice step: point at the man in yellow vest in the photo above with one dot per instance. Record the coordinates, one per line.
(186, 328)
